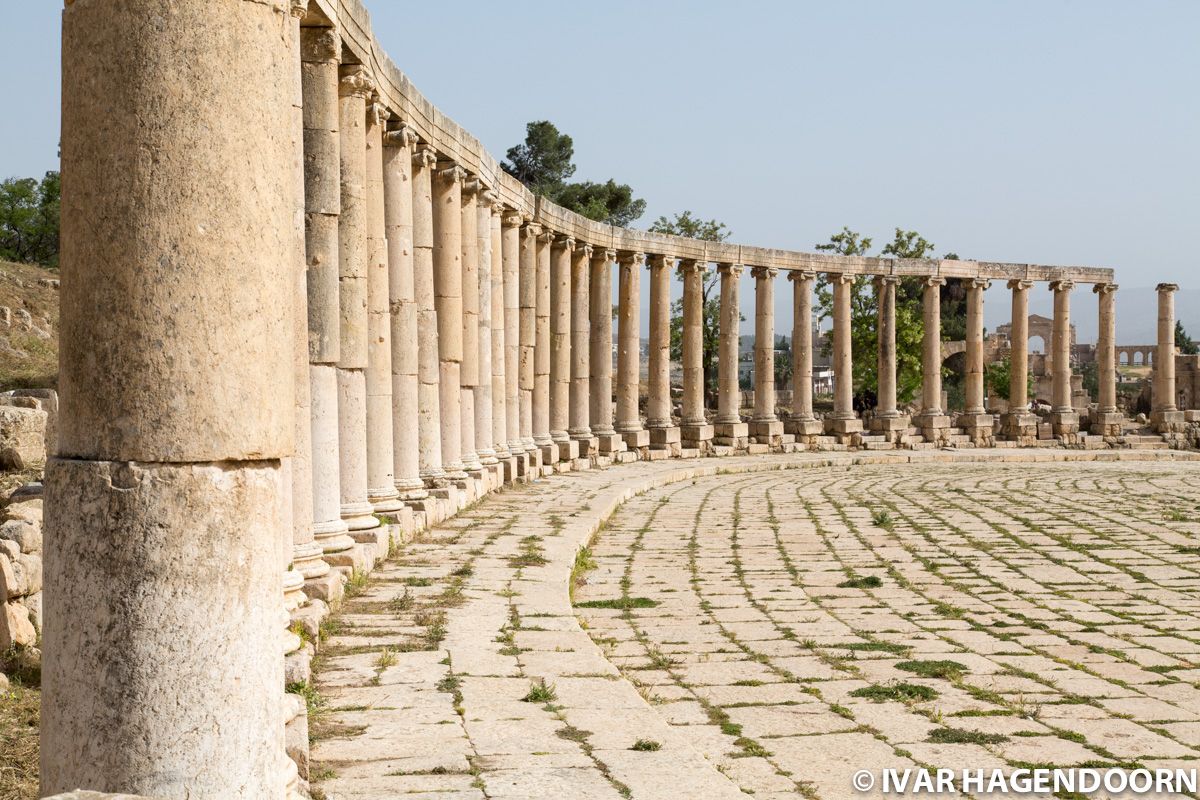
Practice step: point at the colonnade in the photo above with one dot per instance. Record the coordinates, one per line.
(322, 319)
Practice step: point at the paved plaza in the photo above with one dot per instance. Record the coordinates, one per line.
(766, 627)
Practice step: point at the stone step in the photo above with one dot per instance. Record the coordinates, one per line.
(1159, 445)
(881, 445)
(922, 445)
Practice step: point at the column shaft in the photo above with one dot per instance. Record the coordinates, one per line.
(1018, 358)
(469, 366)
(580, 412)
(658, 404)
(843, 365)
(186, 256)
(484, 439)
(429, 409)
(693, 345)
(1164, 355)
(629, 421)
(728, 392)
(1106, 355)
(541, 350)
(885, 294)
(764, 347)
(447, 283)
(560, 341)
(528, 329)
(499, 389)
(931, 348)
(1061, 346)
(510, 243)
(802, 358)
(601, 357)
(974, 379)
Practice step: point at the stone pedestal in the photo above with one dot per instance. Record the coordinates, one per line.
(1020, 427)
(768, 432)
(609, 443)
(665, 438)
(731, 434)
(696, 436)
(1064, 423)
(935, 427)
(1106, 423)
(636, 440)
(805, 430)
(1168, 421)
(894, 428)
(568, 450)
(979, 427)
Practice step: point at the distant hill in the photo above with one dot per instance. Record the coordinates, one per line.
(28, 326)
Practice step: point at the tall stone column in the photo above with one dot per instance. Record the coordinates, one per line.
(485, 441)
(469, 366)
(842, 421)
(510, 242)
(888, 419)
(1165, 416)
(320, 53)
(429, 405)
(398, 207)
(541, 351)
(1064, 418)
(729, 430)
(580, 403)
(802, 423)
(933, 421)
(381, 473)
(765, 427)
(499, 390)
(629, 351)
(975, 421)
(447, 285)
(664, 434)
(144, 596)
(695, 432)
(560, 348)
(353, 257)
(1107, 419)
(1019, 424)
(601, 357)
(528, 333)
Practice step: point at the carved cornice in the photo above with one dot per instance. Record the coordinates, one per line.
(424, 157)
(355, 82)
(403, 136)
(1020, 283)
(1104, 288)
(1061, 286)
(764, 273)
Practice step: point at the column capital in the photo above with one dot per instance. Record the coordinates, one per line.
(1021, 284)
(1166, 287)
(472, 184)
(761, 273)
(452, 172)
(377, 112)
(532, 230)
(489, 198)
(801, 275)
(840, 277)
(730, 269)
(586, 249)
(320, 45)
(1062, 285)
(562, 240)
(604, 254)
(979, 283)
(511, 219)
(354, 81)
(891, 280)
(933, 280)
(299, 9)
(657, 261)
(546, 236)
(689, 266)
(635, 259)
(425, 157)
(402, 136)
(1104, 288)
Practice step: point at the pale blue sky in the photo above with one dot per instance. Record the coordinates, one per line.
(1051, 132)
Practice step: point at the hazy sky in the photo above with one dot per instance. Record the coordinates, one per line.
(1046, 132)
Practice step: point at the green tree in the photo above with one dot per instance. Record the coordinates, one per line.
(1184, 342)
(692, 227)
(543, 162)
(29, 218)
(998, 377)
(783, 362)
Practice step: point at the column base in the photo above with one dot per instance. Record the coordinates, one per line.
(665, 438)
(843, 425)
(1108, 424)
(731, 434)
(804, 427)
(934, 427)
(696, 436)
(891, 424)
(636, 440)
(327, 587)
(1168, 421)
(609, 443)
(384, 501)
(589, 445)
(1064, 423)
(979, 428)
(767, 432)
(568, 450)
(1020, 427)
(359, 517)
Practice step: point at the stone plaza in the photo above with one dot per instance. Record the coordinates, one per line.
(349, 499)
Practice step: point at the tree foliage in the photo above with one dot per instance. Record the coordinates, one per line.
(1185, 343)
(998, 378)
(29, 215)
(543, 162)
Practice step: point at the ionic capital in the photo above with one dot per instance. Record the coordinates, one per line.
(631, 259)
(546, 236)
(1104, 288)
(888, 280)
(299, 9)
(764, 273)
(490, 199)
(320, 45)
(692, 266)
(734, 270)
(1062, 286)
(562, 240)
(471, 185)
(377, 112)
(355, 82)
(1166, 287)
(604, 255)
(453, 173)
(1020, 284)
(403, 136)
(978, 283)
(660, 261)
(532, 230)
(585, 249)
(511, 219)
(801, 275)
(840, 278)
(424, 157)
(933, 280)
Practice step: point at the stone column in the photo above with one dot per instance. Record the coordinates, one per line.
(842, 421)
(398, 206)
(320, 53)
(629, 420)
(802, 423)
(1019, 424)
(541, 351)
(1165, 416)
(447, 285)
(528, 333)
(664, 435)
(1106, 421)
(695, 432)
(469, 367)
(560, 348)
(601, 357)
(887, 420)
(510, 242)
(167, 504)
(729, 430)
(484, 439)
(765, 427)
(429, 407)
(975, 421)
(499, 389)
(1064, 418)
(933, 421)
(353, 257)
(580, 403)
(381, 473)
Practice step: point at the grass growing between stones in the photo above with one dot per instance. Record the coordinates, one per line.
(19, 718)
(904, 692)
(949, 670)
(861, 582)
(619, 603)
